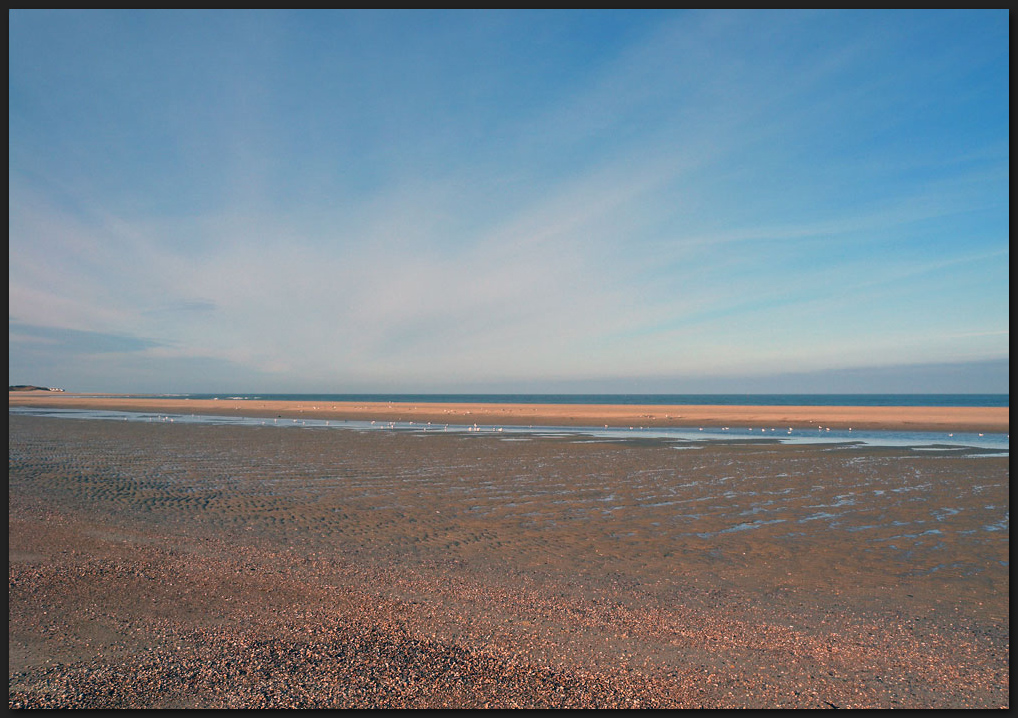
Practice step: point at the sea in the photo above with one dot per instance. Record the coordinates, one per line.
(953, 400)
(941, 442)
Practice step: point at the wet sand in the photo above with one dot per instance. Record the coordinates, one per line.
(988, 419)
(169, 565)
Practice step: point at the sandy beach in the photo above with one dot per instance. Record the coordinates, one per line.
(987, 419)
(169, 565)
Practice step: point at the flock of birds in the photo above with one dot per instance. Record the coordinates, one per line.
(475, 427)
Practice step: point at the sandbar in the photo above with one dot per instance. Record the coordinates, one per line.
(901, 418)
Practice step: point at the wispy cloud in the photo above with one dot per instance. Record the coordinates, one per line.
(75, 342)
(376, 198)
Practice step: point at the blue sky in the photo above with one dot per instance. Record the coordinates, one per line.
(509, 201)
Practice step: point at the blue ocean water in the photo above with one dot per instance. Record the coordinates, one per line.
(954, 400)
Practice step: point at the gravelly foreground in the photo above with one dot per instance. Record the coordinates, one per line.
(161, 566)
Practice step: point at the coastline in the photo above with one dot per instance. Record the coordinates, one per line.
(903, 418)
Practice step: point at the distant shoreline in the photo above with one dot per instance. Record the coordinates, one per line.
(893, 418)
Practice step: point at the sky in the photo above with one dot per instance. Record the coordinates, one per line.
(518, 201)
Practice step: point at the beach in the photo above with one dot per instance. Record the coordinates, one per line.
(164, 565)
(921, 418)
